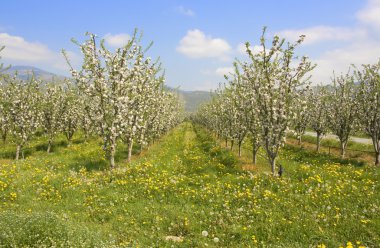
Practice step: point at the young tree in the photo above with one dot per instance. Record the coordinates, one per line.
(110, 81)
(72, 111)
(144, 87)
(238, 121)
(4, 113)
(228, 114)
(248, 107)
(276, 78)
(302, 114)
(319, 112)
(84, 122)
(24, 105)
(241, 119)
(220, 118)
(52, 111)
(343, 107)
(369, 104)
(4, 104)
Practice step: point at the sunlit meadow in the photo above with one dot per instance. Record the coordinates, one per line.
(184, 191)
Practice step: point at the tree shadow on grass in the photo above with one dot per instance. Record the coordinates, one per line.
(10, 153)
(55, 145)
(93, 165)
(98, 163)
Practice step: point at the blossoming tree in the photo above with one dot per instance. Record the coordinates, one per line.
(302, 114)
(276, 77)
(319, 112)
(24, 106)
(343, 107)
(119, 87)
(4, 106)
(369, 104)
(52, 110)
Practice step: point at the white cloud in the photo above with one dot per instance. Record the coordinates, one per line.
(359, 43)
(339, 60)
(22, 52)
(322, 33)
(17, 48)
(184, 11)
(221, 71)
(241, 48)
(370, 14)
(117, 40)
(197, 45)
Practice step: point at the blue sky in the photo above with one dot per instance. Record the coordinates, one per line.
(197, 41)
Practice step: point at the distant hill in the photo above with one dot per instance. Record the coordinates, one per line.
(25, 72)
(192, 99)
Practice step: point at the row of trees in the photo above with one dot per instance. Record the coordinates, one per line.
(351, 103)
(118, 95)
(269, 95)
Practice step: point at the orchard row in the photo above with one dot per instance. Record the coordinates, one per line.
(269, 95)
(118, 95)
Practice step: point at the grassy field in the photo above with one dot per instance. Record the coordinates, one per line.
(356, 153)
(184, 188)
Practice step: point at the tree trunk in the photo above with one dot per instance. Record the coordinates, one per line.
(299, 140)
(4, 137)
(376, 146)
(377, 161)
(273, 165)
(240, 142)
(343, 149)
(18, 149)
(130, 146)
(318, 141)
(112, 153)
(254, 155)
(86, 136)
(49, 146)
(232, 144)
(112, 160)
(226, 142)
(255, 149)
(69, 136)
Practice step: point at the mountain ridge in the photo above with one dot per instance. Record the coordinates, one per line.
(24, 72)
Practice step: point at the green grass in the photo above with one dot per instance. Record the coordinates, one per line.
(183, 185)
(351, 145)
(325, 142)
